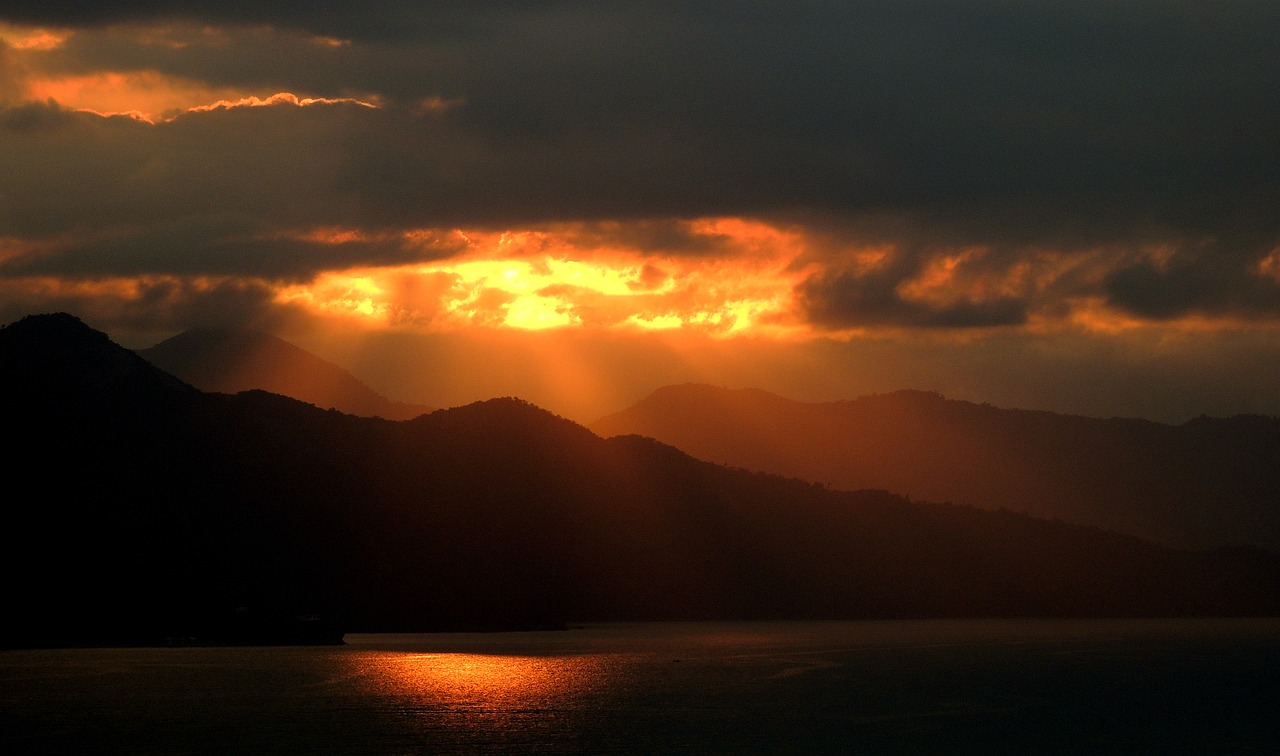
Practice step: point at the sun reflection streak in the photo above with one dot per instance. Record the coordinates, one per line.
(493, 691)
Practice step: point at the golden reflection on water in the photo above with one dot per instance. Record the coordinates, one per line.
(497, 691)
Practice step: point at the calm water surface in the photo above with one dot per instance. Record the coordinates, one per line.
(1022, 687)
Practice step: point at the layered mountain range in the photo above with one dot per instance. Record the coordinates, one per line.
(233, 360)
(144, 510)
(1206, 482)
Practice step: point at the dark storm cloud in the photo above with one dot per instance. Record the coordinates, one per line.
(82, 170)
(1211, 279)
(1068, 108)
(222, 247)
(1237, 278)
(226, 192)
(663, 237)
(1016, 125)
(160, 306)
(845, 299)
(365, 19)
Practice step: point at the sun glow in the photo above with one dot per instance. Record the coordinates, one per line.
(538, 280)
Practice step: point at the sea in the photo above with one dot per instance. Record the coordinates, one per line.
(1017, 686)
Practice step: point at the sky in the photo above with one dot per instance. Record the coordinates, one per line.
(1072, 206)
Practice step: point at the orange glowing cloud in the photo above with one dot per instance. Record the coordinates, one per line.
(12, 247)
(942, 280)
(280, 98)
(1269, 266)
(119, 289)
(151, 96)
(1093, 315)
(146, 95)
(38, 40)
(960, 276)
(143, 95)
(544, 279)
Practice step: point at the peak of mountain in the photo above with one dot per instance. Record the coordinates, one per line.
(234, 360)
(232, 517)
(69, 331)
(510, 409)
(1208, 482)
(61, 356)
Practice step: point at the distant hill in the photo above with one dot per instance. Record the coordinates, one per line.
(1206, 482)
(141, 510)
(230, 361)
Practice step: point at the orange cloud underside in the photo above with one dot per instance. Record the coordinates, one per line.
(147, 95)
(25, 38)
(577, 276)
(150, 96)
(537, 280)
(143, 94)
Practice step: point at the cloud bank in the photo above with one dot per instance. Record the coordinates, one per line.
(960, 167)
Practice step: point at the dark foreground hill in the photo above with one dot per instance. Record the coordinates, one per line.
(1207, 482)
(140, 510)
(234, 360)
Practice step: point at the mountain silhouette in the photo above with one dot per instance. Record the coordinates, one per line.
(234, 360)
(1207, 482)
(142, 510)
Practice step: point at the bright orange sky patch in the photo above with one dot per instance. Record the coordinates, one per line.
(148, 95)
(23, 38)
(153, 97)
(537, 280)
(145, 94)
